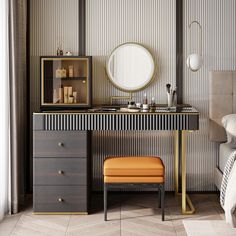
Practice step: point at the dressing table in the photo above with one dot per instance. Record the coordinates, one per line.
(62, 143)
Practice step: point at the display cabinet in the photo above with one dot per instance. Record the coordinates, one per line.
(66, 82)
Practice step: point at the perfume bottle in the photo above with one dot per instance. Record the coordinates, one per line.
(145, 100)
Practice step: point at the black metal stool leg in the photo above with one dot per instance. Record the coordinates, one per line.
(163, 201)
(159, 196)
(105, 201)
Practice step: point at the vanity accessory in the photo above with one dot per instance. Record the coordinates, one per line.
(145, 101)
(63, 73)
(71, 71)
(70, 91)
(168, 88)
(145, 106)
(153, 101)
(55, 98)
(70, 99)
(131, 104)
(171, 98)
(61, 95)
(65, 94)
(124, 109)
(75, 96)
(68, 53)
(58, 73)
(58, 51)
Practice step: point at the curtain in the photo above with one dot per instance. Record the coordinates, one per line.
(18, 100)
(13, 104)
(5, 112)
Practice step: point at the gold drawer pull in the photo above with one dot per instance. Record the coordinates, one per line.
(60, 172)
(60, 144)
(60, 200)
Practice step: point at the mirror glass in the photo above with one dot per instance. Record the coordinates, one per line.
(130, 67)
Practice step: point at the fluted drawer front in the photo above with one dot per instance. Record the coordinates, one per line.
(60, 144)
(60, 199)
(60, 171)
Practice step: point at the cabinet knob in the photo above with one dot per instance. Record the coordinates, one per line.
(60, 199)
(60, 172)
(60, 144)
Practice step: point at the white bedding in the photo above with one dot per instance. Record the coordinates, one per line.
(230, 198)
(225, 150)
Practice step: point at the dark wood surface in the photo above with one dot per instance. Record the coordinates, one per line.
(60, 171)
(47, 144)
(46, 199)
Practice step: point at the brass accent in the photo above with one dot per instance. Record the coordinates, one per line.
(117, 112)
(60, 172)
(42, 80)
(184, 195)
(120, 98)
(60, 200)
(152, 76)
(176, 164)
(60, 213)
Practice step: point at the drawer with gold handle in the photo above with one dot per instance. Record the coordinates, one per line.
(60, 171)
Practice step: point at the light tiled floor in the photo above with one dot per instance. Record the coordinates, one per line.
(128, 214)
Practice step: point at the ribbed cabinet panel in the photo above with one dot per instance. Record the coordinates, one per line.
(110, 23)
(218, 20)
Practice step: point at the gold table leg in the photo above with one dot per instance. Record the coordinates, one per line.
(185, 198)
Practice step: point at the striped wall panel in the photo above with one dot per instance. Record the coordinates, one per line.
(151, 23)
(51, 22)
(218, 20)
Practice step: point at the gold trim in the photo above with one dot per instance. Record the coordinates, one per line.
(185, 197)
(60, 213)
(176, 153)
(150, 80)
(117, 113)
(120, 98)
(42, 79)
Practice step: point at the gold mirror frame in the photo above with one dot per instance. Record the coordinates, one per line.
(131, 90)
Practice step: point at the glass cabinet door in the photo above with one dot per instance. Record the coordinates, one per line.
(65, 81)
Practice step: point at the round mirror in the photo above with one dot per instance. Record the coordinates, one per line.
(130, 67)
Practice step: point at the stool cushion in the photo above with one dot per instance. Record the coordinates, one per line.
(134, 166)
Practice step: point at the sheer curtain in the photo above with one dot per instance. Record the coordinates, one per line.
(4, 113)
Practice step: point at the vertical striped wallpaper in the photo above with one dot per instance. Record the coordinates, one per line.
(152, 23)
(110, 23)
(51, 22)
(218, 20)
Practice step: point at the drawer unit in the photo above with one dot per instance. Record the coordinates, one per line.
(65, 199)
(60, 144)
(60, 171)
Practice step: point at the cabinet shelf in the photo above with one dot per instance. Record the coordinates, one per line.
(71, 92)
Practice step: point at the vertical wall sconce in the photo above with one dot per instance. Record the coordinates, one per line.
(194, 60)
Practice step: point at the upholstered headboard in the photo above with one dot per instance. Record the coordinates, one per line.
(222, 101)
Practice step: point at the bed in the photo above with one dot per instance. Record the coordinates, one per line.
(222, 101)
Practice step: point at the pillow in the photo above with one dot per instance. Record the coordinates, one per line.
(229, 123)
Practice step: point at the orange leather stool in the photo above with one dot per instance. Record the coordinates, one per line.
(134, 172)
